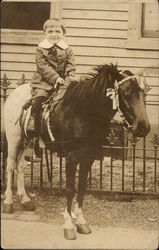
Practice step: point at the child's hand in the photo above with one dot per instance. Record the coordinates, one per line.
(68, 80)
(60, 80)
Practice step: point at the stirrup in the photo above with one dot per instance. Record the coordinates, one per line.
(31, 130)
(33, 158)
(36, 157)
(31, 123)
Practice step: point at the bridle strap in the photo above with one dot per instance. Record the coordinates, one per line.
(126, 79)
(117, 84)
(114, 95)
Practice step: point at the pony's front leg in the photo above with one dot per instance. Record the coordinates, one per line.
(81, 223)
(8, 202)
(26, 202)
(71, 165)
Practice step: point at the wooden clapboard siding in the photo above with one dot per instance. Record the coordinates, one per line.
(95, 14)
(96, 24)
(29, 64)
(24, 49)
(103, 33)
(113, 52)
(8, 51)
(18, 66)
(97, 33)
(17, 57)
(96, 42)
(94, 6)
(16, 75)
(22, 61)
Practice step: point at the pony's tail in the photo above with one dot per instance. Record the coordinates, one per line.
(4, 148)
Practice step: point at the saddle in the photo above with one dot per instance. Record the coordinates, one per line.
(47, 106)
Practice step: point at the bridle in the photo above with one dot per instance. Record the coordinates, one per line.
(113, 93)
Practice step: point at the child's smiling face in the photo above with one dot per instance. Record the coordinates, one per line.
(54, 34)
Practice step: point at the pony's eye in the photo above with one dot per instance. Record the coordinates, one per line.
(127, 92)
(133, 80)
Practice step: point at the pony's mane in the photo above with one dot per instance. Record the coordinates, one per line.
(94, 83)
(106, 69)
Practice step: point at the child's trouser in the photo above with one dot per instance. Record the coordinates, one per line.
(34, 124)
(39, 96)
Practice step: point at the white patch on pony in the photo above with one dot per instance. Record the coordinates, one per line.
(14, 104)
(48, 126)
(20, 174)
(21, 188)
(79, 215)
(27, 119)
(41, 143)
(67, 220)
(112, 93)
(142, 85)
(8, 197)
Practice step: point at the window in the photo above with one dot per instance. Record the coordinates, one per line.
(150, 16)
(22, 22)
(24, 15)
(143, 26)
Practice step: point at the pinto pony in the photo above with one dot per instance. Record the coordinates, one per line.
(78, 123)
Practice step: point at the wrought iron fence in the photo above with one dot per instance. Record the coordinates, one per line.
(128, 166)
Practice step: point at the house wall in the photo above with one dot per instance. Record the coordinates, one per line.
(97, 33)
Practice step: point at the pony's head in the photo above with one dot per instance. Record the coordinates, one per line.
(107, 85)
(131, 91)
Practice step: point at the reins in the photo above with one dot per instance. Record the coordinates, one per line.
(113, 93)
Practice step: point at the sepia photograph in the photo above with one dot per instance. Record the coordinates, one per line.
(80, 124)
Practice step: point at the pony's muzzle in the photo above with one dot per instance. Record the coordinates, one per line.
(141, 128)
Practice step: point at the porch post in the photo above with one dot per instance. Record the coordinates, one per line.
(56, 9)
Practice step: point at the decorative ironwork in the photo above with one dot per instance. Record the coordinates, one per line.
(22, 81)
(112, 138)
(155, 140)
(5, 82)
(133, 139)
(147, 87)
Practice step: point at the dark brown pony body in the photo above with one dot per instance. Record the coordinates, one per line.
(79, 124)
(83, 117)
(80, 121)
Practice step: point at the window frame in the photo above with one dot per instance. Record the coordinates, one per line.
(135, 39)
(29, 37)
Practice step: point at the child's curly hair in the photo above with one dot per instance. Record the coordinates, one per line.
(54, 22)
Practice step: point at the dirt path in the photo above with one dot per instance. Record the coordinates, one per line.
(39, 235)
(124, 224)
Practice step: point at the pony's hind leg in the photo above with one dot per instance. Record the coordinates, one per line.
(13, 145)
(81, 223)
(21, 192)
(71, 164)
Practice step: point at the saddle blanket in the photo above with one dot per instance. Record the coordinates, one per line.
(45, 124)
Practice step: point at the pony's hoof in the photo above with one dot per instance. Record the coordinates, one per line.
(69, 234)
(83, 229)
(7, 208)
(28, 206)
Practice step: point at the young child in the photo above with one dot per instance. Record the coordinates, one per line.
(55, 65)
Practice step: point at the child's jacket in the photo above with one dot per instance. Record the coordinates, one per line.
(52, 61)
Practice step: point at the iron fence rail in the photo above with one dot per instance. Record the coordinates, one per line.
(118, 167)
(136, 175)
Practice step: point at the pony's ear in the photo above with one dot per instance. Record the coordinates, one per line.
(121, 72)
(110, 78)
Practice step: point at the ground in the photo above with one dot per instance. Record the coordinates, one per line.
(123, 218)
(101, 212)
(117, 222)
